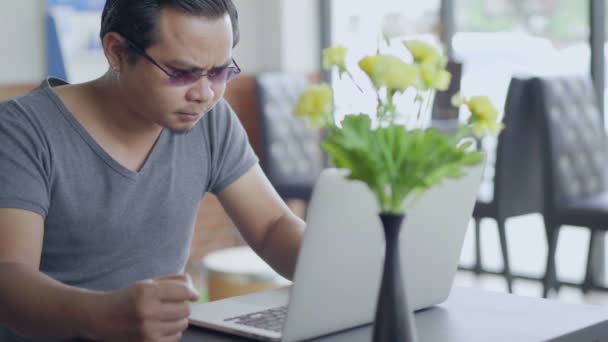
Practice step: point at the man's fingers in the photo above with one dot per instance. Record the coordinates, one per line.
(185, 277)
(175, 291)
(172, 311)
(173, 328)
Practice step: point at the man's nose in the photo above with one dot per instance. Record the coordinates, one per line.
(201, 91)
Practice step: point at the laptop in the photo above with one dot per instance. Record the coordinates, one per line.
(339, 267)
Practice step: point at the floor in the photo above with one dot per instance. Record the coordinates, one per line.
(527, 249)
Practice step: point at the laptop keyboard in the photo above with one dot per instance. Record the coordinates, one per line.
(271, 319)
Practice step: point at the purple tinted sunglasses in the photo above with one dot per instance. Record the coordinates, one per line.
(179, 77)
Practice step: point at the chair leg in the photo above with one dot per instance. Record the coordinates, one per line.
(477, 268)
(550, 277)
(589, 281)
(502, 234)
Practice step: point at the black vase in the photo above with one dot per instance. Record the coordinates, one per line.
(394, 318)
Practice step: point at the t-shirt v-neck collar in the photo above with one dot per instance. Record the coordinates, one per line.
(51, 82)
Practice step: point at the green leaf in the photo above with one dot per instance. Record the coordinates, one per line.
(396, 164)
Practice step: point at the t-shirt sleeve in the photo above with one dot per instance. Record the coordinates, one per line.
(231, 154)
(24, 162)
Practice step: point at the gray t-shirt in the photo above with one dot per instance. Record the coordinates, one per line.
(106, 226)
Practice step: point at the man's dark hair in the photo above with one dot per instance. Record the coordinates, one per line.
(137, 20)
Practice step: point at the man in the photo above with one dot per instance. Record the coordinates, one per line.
(100, 182)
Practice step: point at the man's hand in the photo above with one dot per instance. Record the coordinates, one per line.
(149, 310)
(34, 305)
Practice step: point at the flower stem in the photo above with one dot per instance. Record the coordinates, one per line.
(353, 80)
(390, 106)
(419, 108)
(428, 107)
(418, 123)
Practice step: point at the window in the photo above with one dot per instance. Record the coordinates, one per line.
(495, 39)
(359, 24)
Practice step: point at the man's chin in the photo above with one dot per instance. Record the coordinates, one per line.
(181, 127)
(181, 131)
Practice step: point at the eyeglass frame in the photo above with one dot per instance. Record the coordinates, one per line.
(171, 75)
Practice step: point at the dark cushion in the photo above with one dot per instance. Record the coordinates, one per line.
(589, 211)
(291, 157)
(576, 135)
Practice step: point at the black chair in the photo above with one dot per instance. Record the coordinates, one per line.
(576, 162)
(511, 184)
(291, 157)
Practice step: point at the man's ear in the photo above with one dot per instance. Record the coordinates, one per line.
(115, 49)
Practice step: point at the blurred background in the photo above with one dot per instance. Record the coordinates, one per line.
(491, 41)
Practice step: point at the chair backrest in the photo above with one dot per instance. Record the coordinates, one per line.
(291, 154)
(574, 137)
(515, 159)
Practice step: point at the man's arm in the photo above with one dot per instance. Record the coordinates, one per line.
(265, 221)
(37, 306)
(31, 303)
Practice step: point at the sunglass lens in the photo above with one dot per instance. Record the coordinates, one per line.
(184, 77)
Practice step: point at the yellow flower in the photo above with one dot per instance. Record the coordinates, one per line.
(482, 108)
(483, 116)
(422, 52)
(334, 56)
(315, 104)
(432, 65)
(458, 100)
(481, 128)
(434, 76)
(390, 71)
(442, 80)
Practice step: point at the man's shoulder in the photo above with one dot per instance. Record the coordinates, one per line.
(29, 105)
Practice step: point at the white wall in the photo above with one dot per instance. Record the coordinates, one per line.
(300, 22)
(275, 35)
(259, 48)
(278, 35)
(22, 39)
